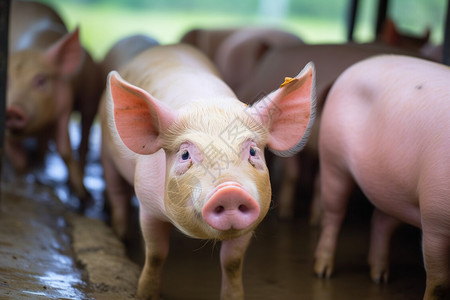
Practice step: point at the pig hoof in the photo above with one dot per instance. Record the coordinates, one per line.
(379, 275)
(323, 268)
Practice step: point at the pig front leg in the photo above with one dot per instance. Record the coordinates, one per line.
(64, 149)
(382, 229)
(336, 188)
(231, 260)
(16, 154)
(86, 124)
(88, 111)
(156, 237)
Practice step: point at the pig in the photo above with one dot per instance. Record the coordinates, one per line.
(207, 40)
(239, 54)
(237, 51)
(49, 76)
(193, 152)
(330, 61)
(386, 127)
(391, 35)
(124, 50)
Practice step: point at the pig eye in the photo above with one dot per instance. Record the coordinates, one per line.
(252, 151)
(40, 81)
(185, 155)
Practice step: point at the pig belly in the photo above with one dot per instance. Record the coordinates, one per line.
(385, 193)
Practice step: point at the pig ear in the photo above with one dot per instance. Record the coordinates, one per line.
(67, 54)
(139, 118)
(288, 113)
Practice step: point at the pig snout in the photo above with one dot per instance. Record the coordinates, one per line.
(230, 207)
(16, 118)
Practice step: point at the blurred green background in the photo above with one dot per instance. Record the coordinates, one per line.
(103, 22)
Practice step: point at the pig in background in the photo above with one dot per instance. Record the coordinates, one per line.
(386, 128)
(194, 153)
(49, 77)
(236, 52)
(392, 36)
(124, 50)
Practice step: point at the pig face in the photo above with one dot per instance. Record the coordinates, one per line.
(217, 183)
(30, 104)
(38, 85)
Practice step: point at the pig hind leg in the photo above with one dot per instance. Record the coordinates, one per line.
(382, 229)
(316, 208)
(336, 187)
(119, 194)
(436, 248)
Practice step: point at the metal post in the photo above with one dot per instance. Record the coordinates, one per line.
(4, 22)
(352, 19)
(381, 16)
(446, 46)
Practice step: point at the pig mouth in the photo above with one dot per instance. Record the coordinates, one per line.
(230, 207)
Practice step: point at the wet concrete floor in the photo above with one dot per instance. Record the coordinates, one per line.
(40, 256)
(279, 265)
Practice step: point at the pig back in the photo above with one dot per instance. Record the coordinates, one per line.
(175, 75)
(33, 25)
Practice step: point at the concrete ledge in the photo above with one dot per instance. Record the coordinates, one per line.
(110, 273)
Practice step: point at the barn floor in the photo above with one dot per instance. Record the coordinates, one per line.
(49, 251)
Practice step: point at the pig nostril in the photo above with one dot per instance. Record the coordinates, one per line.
(243, 208)
(219, 209)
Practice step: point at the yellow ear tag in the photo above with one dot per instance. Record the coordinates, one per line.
(287, 80)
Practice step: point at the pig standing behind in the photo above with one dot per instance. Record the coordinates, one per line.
(237, 52)
(386, 127)
(194, 153)
(124, 50)
(49, 76)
